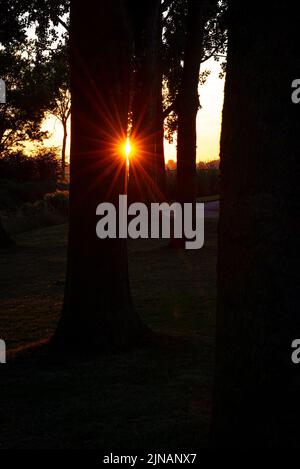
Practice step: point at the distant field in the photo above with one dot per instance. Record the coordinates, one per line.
(156, 396)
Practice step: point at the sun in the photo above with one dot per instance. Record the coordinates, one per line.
(127, 148)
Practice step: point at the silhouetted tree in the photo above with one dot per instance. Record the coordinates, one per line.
(98, 313)
(21, 116)
(256, 402)
(25, 71)
(174, 41)
(62, 112)
(59, 87)
(6, 241)
(26, 67)
(188, 100)
(147, 170)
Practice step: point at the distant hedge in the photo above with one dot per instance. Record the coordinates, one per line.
(207, 179)
(40, 167)
(52, 209)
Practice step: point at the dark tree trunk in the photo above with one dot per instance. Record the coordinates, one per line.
(256, 401)
(160, 170)
(98, 313)
(63, 150)
(147, 170)
(5, 240)
(188, 103)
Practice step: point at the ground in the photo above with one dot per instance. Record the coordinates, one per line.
(156, 396)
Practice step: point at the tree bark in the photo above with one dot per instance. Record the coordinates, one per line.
(160, 168)
(98, 312)
(147, 169)
(187, 104)
(63, 149)
(188, 99)
(256, 400)
(6, 242)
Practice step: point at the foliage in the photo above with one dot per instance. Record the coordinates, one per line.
(42, 166)
(21, 116)
(215, 40)
(59, 90)
(44, 15)
(13, 194)
(29, 39)
(50, 210)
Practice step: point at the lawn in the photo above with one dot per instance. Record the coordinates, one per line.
(156, 396)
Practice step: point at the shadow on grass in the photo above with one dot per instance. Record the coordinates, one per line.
(156, 396)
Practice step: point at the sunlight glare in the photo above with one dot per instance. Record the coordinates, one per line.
(128, 148)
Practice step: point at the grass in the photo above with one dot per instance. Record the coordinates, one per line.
(154, 397)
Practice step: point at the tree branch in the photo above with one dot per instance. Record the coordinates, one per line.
(165, 5)
(63, 23)
(169, 109)
(209, 56)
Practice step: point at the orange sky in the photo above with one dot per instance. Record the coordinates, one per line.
(208, 119)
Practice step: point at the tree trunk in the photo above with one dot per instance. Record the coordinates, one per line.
(5, 240)
(147, 171)
(160, 169)
(256, 401)
(63, 149)
(188, 103)
(98, 313)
